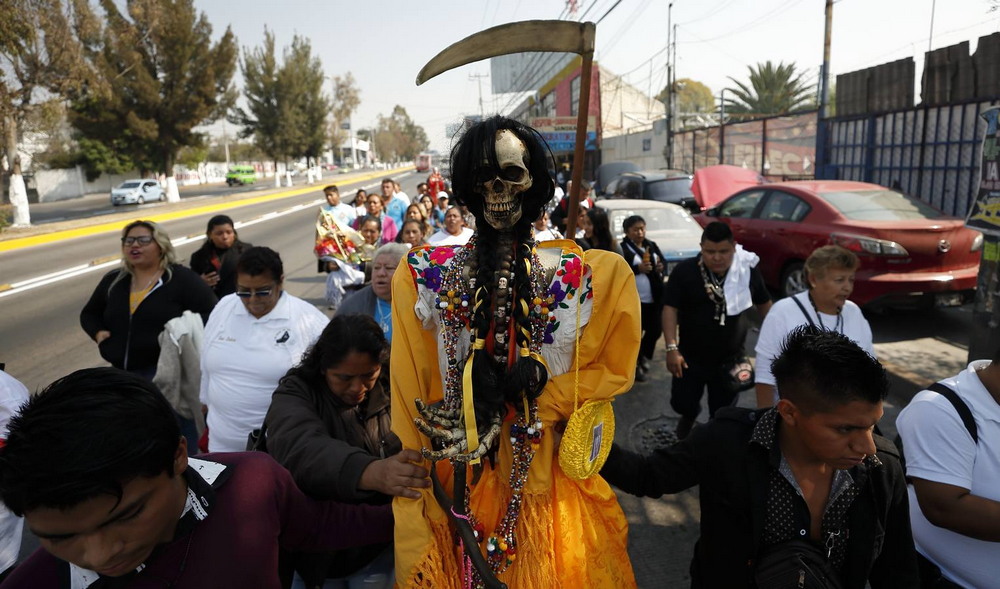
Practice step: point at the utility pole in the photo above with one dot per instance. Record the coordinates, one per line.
(670, 93)
(479, 78)
(722, 126)
(824, 79)
(930, 41)
(225, 142)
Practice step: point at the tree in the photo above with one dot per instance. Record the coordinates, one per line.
(771, 91)
(159, 76)
(38, 61)
(692, 97)
(346, 98)
(286, 109)
(397, 137)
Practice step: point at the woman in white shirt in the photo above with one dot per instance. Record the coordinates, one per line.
(830, 272)
(454, 232)
(251, 340)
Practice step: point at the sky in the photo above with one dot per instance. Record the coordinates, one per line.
(384, 43)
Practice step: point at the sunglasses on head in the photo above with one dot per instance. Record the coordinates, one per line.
(140, 239)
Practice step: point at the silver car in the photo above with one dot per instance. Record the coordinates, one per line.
(672, 228)
(136, 192)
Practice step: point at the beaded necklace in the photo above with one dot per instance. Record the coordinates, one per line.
(455, 314)
(714, 290)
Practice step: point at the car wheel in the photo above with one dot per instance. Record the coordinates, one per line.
(140, 200)
(793, 279)
(162, 197)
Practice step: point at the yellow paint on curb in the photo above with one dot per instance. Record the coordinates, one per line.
(23, 242)
(4, 287)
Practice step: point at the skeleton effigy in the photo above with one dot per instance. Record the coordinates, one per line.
(496, 344)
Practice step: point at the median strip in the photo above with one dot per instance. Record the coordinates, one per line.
(110, 226)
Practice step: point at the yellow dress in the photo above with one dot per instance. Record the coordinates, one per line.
(571, 533)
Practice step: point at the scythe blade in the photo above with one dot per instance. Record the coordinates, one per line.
(517, 37)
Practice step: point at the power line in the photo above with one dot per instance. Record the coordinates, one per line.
(757, 21)
(711, 13)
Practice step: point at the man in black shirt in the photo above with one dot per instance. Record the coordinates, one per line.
(808, 476)
(708, 296)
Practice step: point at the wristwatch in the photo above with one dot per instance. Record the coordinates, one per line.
(671, 348)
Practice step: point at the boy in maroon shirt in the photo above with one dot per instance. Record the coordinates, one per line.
(97, 466)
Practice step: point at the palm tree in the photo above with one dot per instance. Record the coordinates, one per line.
(772, 91)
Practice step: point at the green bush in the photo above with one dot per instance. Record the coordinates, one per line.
(6, 216)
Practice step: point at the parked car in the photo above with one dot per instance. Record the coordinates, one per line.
(241, 175)
(671, 226)
(911, 253)
(673, 186)
(606, 173)
(136, 192)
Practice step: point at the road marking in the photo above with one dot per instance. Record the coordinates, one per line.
(23, 242)
(108, 261)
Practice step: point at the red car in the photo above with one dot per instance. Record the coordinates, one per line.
(910, 252)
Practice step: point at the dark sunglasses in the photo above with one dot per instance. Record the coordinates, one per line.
(262, 293)
(142, 240)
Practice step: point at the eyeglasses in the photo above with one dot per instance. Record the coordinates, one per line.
(142, 240)
(261, 293)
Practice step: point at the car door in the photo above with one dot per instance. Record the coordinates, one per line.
(778, 232)
(738, 212)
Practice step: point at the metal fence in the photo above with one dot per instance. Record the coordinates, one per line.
(780, 148)
(932, 153)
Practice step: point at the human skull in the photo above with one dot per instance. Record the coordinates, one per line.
(503, 191)
(502, 282)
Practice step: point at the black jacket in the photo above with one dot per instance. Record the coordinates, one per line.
(133, 343)
(733, 475)
(201, 263)
(629, 251)
(326, 445)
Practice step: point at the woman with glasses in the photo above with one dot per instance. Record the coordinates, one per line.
(131, 304)
(251, 340)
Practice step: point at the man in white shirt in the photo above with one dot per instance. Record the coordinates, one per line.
(343, 213)
(13, 394)
(955, 480)
(252, 338)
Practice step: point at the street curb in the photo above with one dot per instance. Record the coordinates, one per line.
(98, 226)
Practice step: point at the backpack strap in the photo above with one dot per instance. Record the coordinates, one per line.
(804, 312)
(963, 410)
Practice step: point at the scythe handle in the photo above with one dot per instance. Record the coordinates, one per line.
(583, 111)
(465, 532)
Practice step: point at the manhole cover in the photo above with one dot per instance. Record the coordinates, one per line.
(654, 433)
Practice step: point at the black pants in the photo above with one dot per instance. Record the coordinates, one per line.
(686, 392)
(652, 329)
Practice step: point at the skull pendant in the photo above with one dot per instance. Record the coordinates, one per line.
(503, 191)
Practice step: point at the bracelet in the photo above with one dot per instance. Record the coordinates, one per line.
(671, 348)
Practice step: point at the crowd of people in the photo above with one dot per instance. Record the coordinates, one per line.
(451, 425)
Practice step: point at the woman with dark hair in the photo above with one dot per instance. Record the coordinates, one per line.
(494, 331)
(215, 260)
(646, 260)
(328, 424)
(132, 304)
(597, 230)
(412, 233)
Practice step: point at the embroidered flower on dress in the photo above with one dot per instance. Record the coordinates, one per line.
(432, 278)
(441, 255)
(572, 271)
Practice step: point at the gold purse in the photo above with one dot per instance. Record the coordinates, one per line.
(590, 431)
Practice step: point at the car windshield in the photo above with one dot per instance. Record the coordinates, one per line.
(669, 190)
(132, 184)
(880, 205)
(657, 219)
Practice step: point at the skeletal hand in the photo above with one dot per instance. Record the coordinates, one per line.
(446, 428)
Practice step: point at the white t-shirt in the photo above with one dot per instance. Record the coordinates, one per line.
(939, 448)
(785, 316)
(402, 197)
(13, 394)
(343, 213)
(244, 357)
(444, 238)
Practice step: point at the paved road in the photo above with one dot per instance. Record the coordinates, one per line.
(41, 340)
